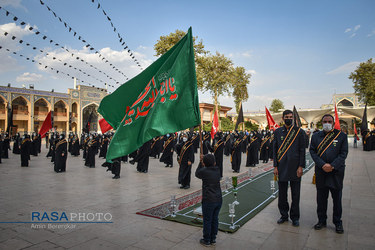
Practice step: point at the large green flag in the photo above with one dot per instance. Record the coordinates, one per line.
(162, 99)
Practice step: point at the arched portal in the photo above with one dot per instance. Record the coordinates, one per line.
(345, 103)
(21, 114)
(60, 116)
(41, 109)
(2, 114)
(90, 118)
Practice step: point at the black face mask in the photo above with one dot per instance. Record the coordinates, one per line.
(288, 122)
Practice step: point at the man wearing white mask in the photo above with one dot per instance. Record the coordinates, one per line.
(329, 149)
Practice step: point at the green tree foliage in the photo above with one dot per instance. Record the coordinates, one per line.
(168, 41)
(226, 124)
(207, 126)
(251, 126)
(215, 75)
(276, 105)
(240, 80)
(364, 81)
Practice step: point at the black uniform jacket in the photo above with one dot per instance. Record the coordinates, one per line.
(294, 156)
(335, 155)
(211, 190)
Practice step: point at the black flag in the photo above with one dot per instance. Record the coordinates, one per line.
(239, 118)
(87, 127)
(10, 117)
(70, 121)
(364, 126)
(297, 119)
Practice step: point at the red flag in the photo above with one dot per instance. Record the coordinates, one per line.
(271, 122)
(104, 126)
(215, 126)
(355, 132)
(47, 125)
(337, 121)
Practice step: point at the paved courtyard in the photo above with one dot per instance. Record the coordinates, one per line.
(83, 190)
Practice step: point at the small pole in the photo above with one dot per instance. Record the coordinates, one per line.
(201, 143)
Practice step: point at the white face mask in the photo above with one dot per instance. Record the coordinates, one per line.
(327, 127)
(184, 139)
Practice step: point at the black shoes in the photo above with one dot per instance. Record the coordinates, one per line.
(295, 223)
(281, 220)
(339, 228)
(204, 243)
(320, 225)
(116, 177)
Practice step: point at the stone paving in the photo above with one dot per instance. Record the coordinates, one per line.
(83, 190)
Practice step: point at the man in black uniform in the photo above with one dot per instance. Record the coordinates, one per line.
(61, 154)
(167, 156)
(92, 148)
(143, 157)
(218, 148)
(289, 161)
(252, 151)
(235, 157)
(25, 151)
(264, 148)
(329, 149)
(185, 157)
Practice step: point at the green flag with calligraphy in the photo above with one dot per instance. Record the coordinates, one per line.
(162, 99)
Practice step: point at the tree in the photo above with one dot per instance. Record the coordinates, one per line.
(251, 126)
(226, 124)
(364, 81)
(167, 42)
(276, 105)
(215, 75)
(240, 79)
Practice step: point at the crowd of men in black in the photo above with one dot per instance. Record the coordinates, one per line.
(258, 146)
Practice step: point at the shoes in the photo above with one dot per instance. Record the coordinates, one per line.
(281, 220)
(116, 177)
(145, 171)
(295, 223)
(181, 187)
(320, 225)
(187, 187)
(213, 242)
(204, 243)
(339, 228)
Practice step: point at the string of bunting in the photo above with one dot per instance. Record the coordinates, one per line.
(53, 57)
(51, 68)
(79, 37)
(120, 38)
(44, 37)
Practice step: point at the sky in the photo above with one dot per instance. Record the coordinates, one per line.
(300, 52)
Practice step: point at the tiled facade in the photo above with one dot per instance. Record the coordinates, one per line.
(30, 108)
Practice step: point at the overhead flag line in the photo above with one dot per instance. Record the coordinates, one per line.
(47, 67)
(79, 37)
(44, 37)
(53, 57)
(121, 39)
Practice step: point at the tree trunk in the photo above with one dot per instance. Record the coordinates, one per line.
(217, 110)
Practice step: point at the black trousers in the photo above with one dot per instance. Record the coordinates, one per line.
(295, 187)
(322, 201)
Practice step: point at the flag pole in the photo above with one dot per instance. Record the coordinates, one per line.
(201, 143)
